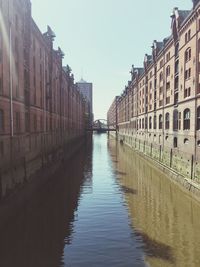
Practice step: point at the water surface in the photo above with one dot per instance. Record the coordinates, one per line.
(105, 207)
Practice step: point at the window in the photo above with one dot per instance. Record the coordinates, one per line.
(34, 45)
(179, 120)
(167, 85)
(160, 121)
(167, 121)
(17, 122)
(161, 76)
(168, 56)
(1, 86)
(187, 92)
(1, 55)
(150, 122)
(176, 83)
(167, 71)
(176, 49)
(176, 98)
(27, 122)
(1, 148)
(161, 63)
(186, 141)
(175, 120)
(16, 22)
(1, 120)
(143, 123)
(175, 142)
(154, 122)
(188, 54)
(186, 119)
(35, 123)
(186, 37)
(198, 118)
(177, 67)
(167, 100)
(16, 47)
(160, 103)
(189, 35)
(188, 74)
(146, 123)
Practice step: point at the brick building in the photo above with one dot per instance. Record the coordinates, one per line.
(112, 118)
(159, 109)
(41, 109)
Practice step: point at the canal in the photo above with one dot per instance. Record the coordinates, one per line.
(106, 207)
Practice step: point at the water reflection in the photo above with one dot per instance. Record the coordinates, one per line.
(106, 207)
(164, 218)
(37, 235)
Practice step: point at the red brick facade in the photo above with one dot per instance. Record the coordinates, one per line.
(40, 106)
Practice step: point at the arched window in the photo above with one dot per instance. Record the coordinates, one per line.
(1, 120)
(186, 119)
(198, 118)
(175, 142)
(150, 122)
(154, 122)
(167, 121)
(175, 120)
(160, 121)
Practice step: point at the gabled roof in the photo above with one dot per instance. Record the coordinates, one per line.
(183, 14)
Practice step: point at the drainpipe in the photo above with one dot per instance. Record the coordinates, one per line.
(44, 93)
(197, 84)
(11, 81)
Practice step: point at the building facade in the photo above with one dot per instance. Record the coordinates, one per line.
(159, 110)
(112, 116)
(86, 89)
(41, 109)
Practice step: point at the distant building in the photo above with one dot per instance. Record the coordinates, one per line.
(87, 91)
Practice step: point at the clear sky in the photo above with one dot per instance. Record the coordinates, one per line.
(101, 39)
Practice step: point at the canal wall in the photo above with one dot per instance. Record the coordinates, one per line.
(29, 175)
(39, 153)
(179, 167)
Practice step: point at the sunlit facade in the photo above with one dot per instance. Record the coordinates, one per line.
(160, 106)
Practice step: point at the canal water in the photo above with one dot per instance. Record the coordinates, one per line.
(106, 207)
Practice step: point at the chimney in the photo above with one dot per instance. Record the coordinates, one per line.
(195, 2)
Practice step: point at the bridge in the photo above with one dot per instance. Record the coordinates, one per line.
(101, 126)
